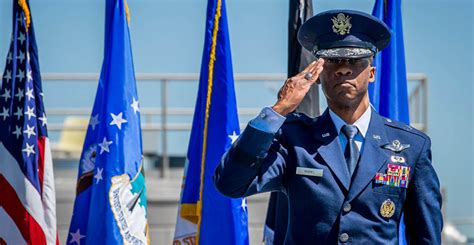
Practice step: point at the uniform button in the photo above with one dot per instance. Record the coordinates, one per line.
(347, 207)
(344, 237)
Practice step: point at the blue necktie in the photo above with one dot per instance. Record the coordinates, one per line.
(351, 152)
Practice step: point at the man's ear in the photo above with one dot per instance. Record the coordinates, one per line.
(372, 74)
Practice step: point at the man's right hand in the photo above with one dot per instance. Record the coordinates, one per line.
(295, 88)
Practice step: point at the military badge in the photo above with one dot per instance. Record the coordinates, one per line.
(396, 146)
(387, 209)
(397, 159)
(396, 176)
(341, 24)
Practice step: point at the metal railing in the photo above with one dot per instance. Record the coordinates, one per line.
(418, 102)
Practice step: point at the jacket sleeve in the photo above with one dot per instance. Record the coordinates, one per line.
(254, 164)
(423, 218)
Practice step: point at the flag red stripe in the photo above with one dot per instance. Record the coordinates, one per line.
(27, 225)
(41, 144)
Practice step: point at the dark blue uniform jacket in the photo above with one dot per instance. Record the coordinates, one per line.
(335, 207)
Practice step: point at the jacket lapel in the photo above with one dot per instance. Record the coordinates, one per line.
(373, 156)
(330, 149)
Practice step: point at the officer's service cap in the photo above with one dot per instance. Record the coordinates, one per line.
(344, 34)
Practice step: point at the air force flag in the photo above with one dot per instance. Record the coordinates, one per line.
(110, 206)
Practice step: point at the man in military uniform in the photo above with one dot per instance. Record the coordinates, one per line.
(350, 173)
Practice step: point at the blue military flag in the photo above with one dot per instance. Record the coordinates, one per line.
(206, 216)
(389, 93)
(110, 205)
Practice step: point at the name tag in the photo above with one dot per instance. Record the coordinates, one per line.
(309, 171)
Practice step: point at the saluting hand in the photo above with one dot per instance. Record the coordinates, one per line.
(295, 88)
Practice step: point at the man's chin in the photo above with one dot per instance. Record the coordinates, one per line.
(347, 97)
(347, 100)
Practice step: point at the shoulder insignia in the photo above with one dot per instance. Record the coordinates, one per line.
(404, 127)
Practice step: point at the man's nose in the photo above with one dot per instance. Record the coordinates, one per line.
(343, 70)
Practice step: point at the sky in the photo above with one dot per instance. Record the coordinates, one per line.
(167, 37)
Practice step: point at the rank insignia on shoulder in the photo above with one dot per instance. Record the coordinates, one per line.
(387, 209)
(396, 146)
(396, 176)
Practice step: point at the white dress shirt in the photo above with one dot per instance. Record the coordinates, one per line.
(362, 125)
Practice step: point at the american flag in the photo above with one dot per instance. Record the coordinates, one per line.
(27, 202)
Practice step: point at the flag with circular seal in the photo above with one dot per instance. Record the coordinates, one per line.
(110, 205)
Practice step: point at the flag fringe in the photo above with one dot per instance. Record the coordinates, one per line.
(26, 10)
(212, 58)
(189, 212)
(127, 11)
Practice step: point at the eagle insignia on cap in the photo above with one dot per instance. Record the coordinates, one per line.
(341, 24)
